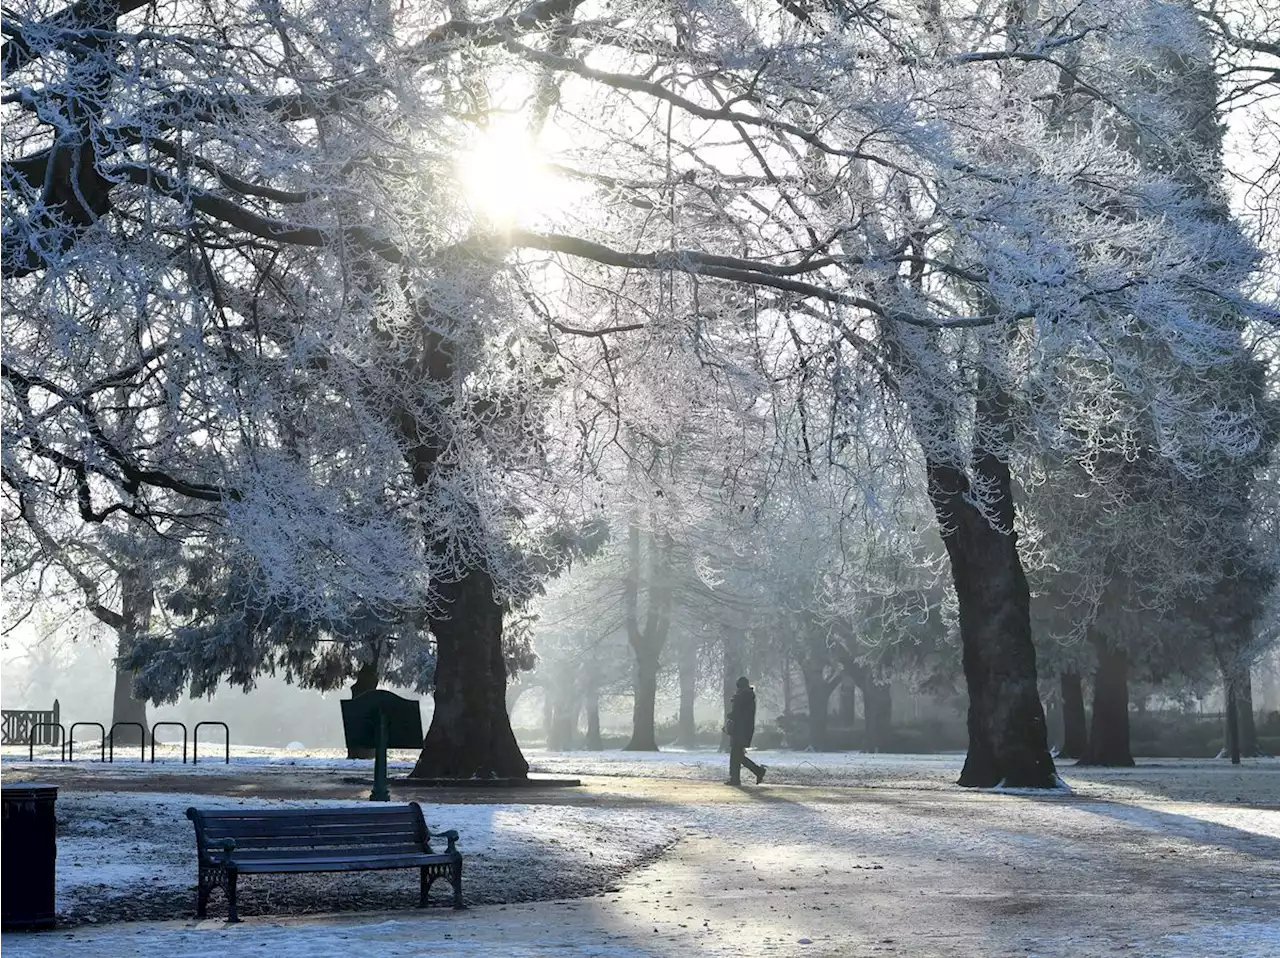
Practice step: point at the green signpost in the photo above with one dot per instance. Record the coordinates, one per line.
(381, 720)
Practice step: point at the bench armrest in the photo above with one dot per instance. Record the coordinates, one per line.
(228, 846)
(451, 835)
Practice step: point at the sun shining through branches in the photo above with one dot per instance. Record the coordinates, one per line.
(506, 180)
(380, 307)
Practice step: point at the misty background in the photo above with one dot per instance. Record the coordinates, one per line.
(71, 660)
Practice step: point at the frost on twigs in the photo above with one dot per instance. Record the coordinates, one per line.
(315, 553)
(242, 318)
(251, 307)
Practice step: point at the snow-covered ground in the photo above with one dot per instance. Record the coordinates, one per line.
(846, 855)
(1212, 780)
(110, 845)
(211, 757)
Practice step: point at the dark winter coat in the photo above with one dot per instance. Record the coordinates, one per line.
(741, 725)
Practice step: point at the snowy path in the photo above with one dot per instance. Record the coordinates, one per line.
(830, 871)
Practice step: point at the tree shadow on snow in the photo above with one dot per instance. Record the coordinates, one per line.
(1199, 830)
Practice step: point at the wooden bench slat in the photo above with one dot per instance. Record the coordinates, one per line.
(284, 830)
(353, 813)
(303, 839)
(342, 864)
(287, 829)
(359, 839)
(240, 856)
(332, 815)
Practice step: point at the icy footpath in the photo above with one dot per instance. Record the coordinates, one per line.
(523, 932)
(987, 877)
(1255, 781)
(910, 867)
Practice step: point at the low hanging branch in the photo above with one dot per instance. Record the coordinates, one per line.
(748, 272)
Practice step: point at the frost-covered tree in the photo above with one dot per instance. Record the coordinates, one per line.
(241, 222)
(881, 200)
(1247, 61)
(1125, 589)
(108, 571)
(829, 201)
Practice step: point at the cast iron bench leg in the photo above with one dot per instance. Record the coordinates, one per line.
(424, 885)
(232, 875)
(202, 895)
(457, 884)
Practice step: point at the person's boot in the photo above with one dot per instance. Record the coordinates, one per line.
(760, 774)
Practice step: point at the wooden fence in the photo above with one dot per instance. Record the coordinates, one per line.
(18, 724)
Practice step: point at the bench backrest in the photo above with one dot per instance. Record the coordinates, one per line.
(301, 832)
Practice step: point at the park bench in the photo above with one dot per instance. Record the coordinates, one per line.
(248, 841)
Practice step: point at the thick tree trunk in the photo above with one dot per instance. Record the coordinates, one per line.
(126, 708)
(564, 704)
(1244, 714)
(1075, 730)
(594, 742)
(786, 685)
(366, 681)
(1233, 724)
(470, 734)
(687, 730)
(819, 723)
(847, 702)
(564, 722)
(643, 735)
(1007, 739)
(818, 690)
(1109, 733)
(877, 709)
(137, 598)
(648, 641)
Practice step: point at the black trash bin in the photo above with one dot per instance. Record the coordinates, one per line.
(28, 850)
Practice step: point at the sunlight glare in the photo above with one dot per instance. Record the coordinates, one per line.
(506, 180)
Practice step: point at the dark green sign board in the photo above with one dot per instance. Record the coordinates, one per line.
(381, 720)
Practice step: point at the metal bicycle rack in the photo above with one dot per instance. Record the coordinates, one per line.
(71, 740)
(195, 741)
(181, 725)
(62, 740)
(107, 739)
(111, 740)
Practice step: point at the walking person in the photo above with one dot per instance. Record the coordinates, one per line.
(740, 726)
